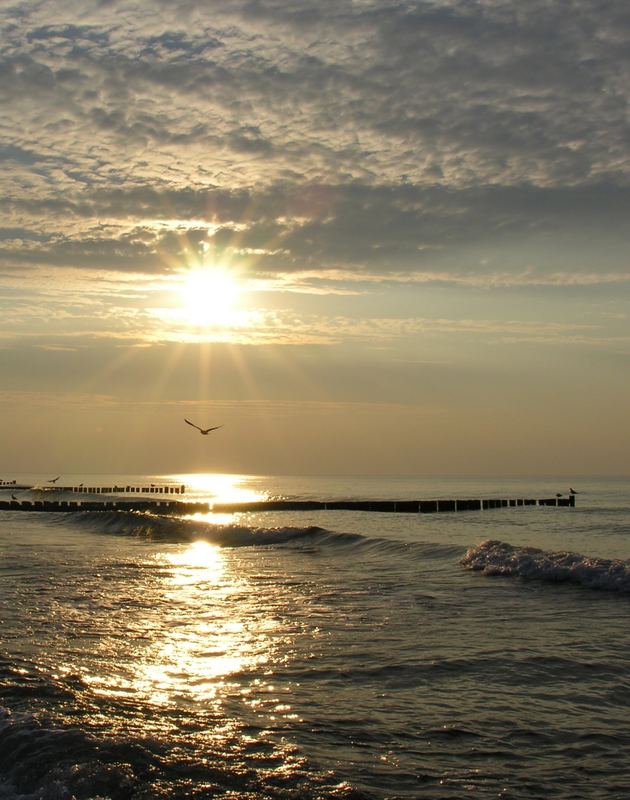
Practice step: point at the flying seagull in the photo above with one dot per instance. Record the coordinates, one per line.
(203, 431)
(54, 480)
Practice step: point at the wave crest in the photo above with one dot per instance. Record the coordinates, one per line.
(494, 557)
(176, 529)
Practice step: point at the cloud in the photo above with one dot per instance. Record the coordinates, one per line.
(532, 234)
(372, 137)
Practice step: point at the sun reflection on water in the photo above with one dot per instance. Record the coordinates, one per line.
(200, 555)
(204, 641)
(207, 638)
(217, 487)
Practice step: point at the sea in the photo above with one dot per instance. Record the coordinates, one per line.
(315, 655)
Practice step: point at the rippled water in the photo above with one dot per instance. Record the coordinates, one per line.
(319, 654)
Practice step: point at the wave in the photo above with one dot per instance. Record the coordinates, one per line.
(40, 761)
(42, 758)
(163, 528)
(177, 529)
(494, 557)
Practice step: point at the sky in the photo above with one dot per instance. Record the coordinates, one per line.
(364, 236)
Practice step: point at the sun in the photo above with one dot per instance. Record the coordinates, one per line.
(210, 297)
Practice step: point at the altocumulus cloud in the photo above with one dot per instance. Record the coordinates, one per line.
(428, 138)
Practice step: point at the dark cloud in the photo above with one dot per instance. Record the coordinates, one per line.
(401, 228)
(9, 152)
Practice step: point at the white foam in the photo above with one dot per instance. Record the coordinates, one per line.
(494, 557)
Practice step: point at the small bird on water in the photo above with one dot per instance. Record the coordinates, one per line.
(203, 431)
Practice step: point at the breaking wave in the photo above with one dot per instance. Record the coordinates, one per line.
(494, 557)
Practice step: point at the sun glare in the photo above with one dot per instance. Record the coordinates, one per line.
(218, 487)
(210, 296)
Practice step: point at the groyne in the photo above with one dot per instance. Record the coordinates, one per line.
(114, 489)
(382, 506)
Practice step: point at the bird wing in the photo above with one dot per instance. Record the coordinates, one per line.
(216, 428)
(192, 423)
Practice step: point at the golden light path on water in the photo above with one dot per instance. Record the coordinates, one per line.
(218, 488)
(201, 637)
(197, 637)
(203, 645)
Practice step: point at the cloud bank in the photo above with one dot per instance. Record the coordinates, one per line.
(444, 140)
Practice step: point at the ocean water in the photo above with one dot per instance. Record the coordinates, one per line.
(327, 654)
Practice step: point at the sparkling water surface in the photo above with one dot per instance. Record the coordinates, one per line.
(317, 654)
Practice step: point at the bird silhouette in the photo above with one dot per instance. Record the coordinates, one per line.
(558, 494)
(54, 480)
(572, 491)
(203, 431)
